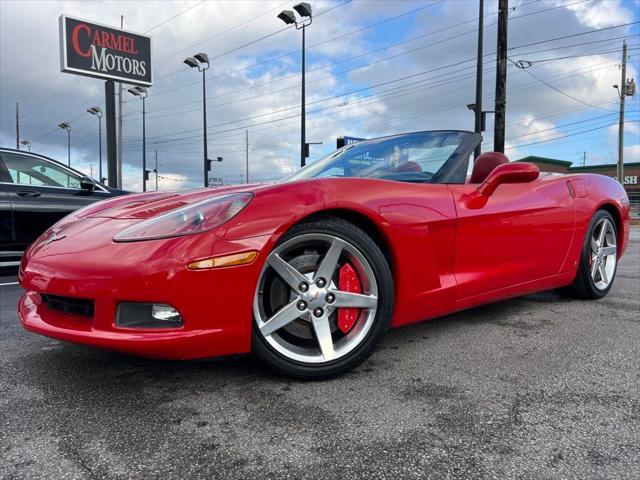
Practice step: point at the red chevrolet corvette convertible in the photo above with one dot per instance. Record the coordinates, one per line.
(309, 273)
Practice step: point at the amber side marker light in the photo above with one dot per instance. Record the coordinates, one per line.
(224, 261)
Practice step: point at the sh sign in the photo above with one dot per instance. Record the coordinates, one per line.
(95, 50)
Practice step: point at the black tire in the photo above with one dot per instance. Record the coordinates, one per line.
(384, 281)
(583, 286)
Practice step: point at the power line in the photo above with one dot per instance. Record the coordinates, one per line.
(219, 34)
(182, 12)
(376, 24)
(367, 27)
(345, 71)
(555, 88)
(253, 42)
(577, 34)
(569, 135)
(324, 99)
(446, 106)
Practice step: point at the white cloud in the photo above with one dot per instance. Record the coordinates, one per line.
(632, 153)
(599, 14)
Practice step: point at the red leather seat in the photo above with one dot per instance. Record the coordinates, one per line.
(408, 166)
(485, 164)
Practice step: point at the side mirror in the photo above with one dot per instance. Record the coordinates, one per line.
(515, 172)
(87, 184)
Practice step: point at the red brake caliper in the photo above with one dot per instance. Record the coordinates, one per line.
(348, 282)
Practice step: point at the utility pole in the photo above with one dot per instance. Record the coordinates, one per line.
(584, 159)
(17, 126)
(246, 162)
(622, 91)
(156, 170)
(119, 135)
(478, 104)
(501, 77)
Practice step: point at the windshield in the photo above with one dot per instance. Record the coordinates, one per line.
(429, 157)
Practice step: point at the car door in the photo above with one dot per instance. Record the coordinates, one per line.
(41, 192)
(6, 222)
(523, 233)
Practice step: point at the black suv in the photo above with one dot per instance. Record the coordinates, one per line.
(36, 192)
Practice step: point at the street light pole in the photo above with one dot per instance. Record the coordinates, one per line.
(288, 17)
(156, 170)
(201, 62)
(142, 93)
(67, 127)
(97, 111)
(204, 130)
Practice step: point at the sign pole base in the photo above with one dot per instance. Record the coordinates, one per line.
(110, 118)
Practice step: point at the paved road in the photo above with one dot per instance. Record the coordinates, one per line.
(536, 387)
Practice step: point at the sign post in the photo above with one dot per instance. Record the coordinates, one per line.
(100, 51)
(110, 115)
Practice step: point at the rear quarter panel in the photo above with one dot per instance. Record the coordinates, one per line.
(599, 192)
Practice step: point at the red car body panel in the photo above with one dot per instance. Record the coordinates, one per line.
(444, 256)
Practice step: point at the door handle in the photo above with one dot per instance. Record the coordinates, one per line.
(28, 193)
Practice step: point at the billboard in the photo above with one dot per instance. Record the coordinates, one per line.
(88, 48)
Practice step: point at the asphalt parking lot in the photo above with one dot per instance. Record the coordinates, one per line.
(536, 387)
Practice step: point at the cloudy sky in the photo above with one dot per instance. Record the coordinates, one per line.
(374, 67)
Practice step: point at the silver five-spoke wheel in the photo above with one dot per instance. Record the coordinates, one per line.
(603, 254)
(298, 298)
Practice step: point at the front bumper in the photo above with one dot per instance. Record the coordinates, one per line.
(216, 305)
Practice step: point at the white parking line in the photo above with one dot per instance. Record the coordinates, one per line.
(6, 284)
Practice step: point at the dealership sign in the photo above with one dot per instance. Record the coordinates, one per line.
(629, 180)
(88, 48)
(342, 141)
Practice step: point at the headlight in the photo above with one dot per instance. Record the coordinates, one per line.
(195, 218)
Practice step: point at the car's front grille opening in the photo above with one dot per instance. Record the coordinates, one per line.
(73, 306)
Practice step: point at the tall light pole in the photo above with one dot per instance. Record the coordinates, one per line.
(156, 170)
(201, 62)
(98, 113)
(142, 93)
(67, 127)
(26, 142)
(288, 17)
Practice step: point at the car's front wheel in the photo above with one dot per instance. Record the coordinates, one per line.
(323, 301)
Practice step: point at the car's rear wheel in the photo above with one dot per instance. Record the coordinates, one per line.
(599, 259)
(323, 301)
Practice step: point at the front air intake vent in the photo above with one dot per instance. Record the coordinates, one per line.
(70, 305)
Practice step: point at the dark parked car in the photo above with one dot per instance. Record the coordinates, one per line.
(36, 192)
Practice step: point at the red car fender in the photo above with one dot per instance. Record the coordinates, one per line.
(423, 218)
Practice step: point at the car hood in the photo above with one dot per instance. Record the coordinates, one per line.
(146, 205)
